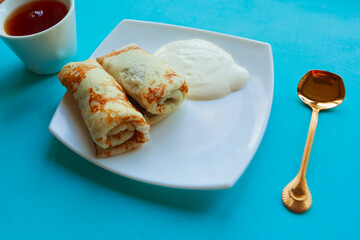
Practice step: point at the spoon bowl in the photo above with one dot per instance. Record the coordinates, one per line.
(320, 90)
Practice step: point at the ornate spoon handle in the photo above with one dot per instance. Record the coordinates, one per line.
(296, 195)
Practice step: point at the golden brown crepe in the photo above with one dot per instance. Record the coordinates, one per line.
(149, 81)
(114, 124)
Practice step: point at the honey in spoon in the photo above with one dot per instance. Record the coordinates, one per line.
(321, 89)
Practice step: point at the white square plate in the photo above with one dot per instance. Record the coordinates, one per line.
(204, 144)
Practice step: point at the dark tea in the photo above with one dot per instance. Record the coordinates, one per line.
(34, 17)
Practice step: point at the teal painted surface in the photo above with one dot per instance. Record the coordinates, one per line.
(49, 192)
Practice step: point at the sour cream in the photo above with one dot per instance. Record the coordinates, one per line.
(209, 71)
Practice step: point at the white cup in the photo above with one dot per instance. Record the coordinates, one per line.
(45, 52)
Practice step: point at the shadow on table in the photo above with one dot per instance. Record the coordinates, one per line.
(22, 92)
(19, 78)
(189, 200)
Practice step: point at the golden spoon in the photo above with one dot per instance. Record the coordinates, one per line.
(320, 90)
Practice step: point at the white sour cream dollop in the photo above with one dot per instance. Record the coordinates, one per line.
(209, 71)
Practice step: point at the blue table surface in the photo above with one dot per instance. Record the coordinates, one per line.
(49, 192)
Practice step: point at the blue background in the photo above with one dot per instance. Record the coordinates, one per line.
(49, 192)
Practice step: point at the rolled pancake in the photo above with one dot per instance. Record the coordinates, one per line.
(114, 124)
(149, 81)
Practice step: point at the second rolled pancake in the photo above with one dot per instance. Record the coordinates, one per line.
(149, 81)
